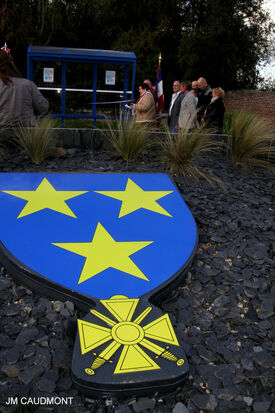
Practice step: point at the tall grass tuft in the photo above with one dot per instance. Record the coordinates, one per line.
(180, 150)
(3, 127)
(251, 141)
(39, 142)
(128, 137)
(1, 154)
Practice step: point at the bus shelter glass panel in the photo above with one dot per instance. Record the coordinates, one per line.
(83, 83)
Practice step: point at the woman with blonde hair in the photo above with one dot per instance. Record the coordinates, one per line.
(214, 112)
(20, 99)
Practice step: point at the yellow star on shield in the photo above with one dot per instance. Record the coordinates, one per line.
(45, 196)
(104, 252)
(134, 198)
(128, 334)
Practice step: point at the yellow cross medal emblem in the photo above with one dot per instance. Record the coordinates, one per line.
(133, 340)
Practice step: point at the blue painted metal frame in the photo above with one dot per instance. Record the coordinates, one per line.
(93, 56)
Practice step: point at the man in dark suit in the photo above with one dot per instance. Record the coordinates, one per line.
(174, 107)
(204, 96)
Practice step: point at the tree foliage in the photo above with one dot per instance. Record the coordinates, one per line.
(224, 41)
(220, 40)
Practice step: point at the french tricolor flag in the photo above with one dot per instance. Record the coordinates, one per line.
(5, 48)
(159, 90)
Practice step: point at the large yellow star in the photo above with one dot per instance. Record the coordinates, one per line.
(134, 198)
(104, 252)
(45, 196)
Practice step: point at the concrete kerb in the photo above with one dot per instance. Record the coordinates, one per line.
(95, 139)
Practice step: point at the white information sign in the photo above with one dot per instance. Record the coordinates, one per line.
(48, 74)
(110, 77)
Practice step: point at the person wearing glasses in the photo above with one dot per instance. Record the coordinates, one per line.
(174, 107)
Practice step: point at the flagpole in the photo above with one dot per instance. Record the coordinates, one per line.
(159, 87)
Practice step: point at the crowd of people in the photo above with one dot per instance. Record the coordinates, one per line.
(192, 105)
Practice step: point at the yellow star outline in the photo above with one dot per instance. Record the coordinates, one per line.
(45, 196)
(104, 252)
(134, 198)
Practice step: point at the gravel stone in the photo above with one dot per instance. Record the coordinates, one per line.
(263, 359)
(261, 406)
(180, 408)
(12, 310)
(10, 370)
(29, 374)
(207, 402)
(247, 364)
(248, 401)
(26, 335)
(143, 403)
(12, 355)
(123, 409)
(58, 306)
(222, 311)
(46, 385)
(227, 393)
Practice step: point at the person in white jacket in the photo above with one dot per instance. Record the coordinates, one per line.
(20, 99)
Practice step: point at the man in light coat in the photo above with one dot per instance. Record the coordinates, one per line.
(188, 108)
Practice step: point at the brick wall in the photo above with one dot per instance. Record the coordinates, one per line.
(259, 102)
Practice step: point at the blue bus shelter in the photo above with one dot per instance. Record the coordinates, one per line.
(90, 56)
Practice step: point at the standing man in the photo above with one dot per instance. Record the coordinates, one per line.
(195, 89)
(188, 109)
(174, 107)
(204, 97)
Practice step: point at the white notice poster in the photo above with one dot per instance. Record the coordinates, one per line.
(110, 77)
(48, 74)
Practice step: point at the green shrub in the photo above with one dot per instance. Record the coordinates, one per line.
(128, 137)
(38, 142)
(251, 141)
(180, 150)
(3, 127)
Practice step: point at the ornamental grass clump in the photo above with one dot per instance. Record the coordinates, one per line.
(129, 138)
(251, 141)
(179, 151)
(1, 154)
(38, 142)
(3, 128)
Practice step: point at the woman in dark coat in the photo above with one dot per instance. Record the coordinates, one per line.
(214, 112)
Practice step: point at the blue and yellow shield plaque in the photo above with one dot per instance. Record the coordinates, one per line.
(115, 243)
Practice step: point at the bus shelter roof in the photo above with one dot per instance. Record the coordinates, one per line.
(68, 54)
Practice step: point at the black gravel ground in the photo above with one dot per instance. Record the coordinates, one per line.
(223, 313)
